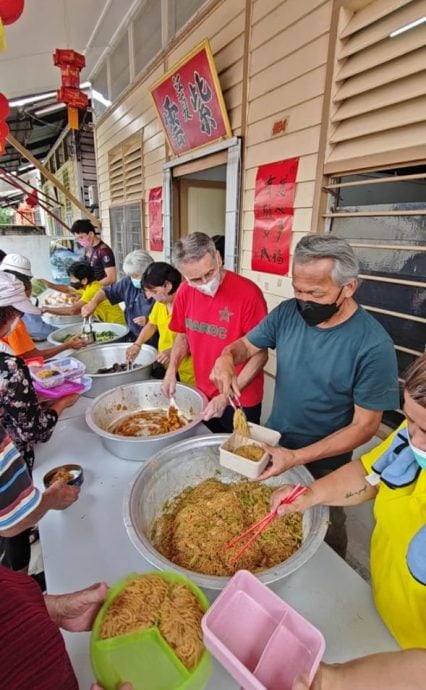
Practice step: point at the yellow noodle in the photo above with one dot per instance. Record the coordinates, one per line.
(149, 601)
(240, 423)
(195, 527)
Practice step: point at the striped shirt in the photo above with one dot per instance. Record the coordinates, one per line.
(18, 495)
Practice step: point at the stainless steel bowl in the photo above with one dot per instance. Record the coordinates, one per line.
(188, 463)
(104, 356)
(61, 321)
(119, 402)
(56, 338)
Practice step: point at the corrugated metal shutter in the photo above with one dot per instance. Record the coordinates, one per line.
(379, 89)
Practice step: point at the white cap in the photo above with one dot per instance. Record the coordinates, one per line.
(12, 294)
(18, 263)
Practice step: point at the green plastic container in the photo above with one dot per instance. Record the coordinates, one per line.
(144, 658)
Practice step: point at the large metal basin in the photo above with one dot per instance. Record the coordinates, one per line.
(188, 463)
(61, 321)
(122, 401)
(56, 338)
(104, 356)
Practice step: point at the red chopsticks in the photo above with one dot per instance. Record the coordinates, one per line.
(262, 524)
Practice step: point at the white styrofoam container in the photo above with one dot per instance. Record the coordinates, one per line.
(248, 468)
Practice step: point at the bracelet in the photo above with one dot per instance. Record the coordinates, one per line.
(137, 345)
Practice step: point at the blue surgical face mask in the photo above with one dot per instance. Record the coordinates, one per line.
(419, 454)
(137, 282)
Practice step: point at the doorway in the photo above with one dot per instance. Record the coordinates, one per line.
(201, 194)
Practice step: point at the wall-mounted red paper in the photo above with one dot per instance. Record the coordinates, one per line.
(155, 213)
(273, 216)
(189, 102)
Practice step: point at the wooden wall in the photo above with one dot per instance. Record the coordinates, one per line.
(285, 47)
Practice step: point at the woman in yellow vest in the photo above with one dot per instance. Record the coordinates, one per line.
(394, 475)
(82, 280)
(160, 281)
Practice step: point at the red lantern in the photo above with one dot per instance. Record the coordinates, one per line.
(71, 63)
(11, 10)
(4, 127)
(4, 107)
(32, 199)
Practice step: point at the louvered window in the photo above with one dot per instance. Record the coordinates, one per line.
(125, 171)
(378, 104)
(116, 176)
(383, 216)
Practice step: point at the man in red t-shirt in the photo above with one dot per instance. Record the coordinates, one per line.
(212, 308)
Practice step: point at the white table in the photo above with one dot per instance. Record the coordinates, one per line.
(88, 543)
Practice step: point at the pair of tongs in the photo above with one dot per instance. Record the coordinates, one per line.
(262, 524)
(87, 332)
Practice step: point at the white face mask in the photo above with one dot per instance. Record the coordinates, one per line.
(209, 288)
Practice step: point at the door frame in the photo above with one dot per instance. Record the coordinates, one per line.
(232, 208)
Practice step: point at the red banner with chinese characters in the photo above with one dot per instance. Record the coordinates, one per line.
(189, 102)
(273, 216)
(155, 213)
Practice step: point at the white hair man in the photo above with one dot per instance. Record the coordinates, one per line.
(128, 290)
(213, 307)
(336, 365)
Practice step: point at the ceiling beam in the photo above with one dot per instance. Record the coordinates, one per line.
(54, 180)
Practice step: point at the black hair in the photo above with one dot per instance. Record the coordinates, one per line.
(2, 254)
(80, 270)
(24, 279)
(219, 243)
(83, 225)
(157, 273)
(7, 314)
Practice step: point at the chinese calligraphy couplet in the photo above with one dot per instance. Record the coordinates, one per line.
(155, 219)
(190, 104)
(273, 216)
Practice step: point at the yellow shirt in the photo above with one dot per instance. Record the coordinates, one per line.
(399, 513)
(160, 317)
(105, 311)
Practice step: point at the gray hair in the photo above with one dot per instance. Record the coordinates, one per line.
(137, 262)
(193, 248)
(315, 247)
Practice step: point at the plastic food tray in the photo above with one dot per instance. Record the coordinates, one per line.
(70, 367)
(144, 658)
(81, 385)
(261, 641)
(248, 468)
(50, 382)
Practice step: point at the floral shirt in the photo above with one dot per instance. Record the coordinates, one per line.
(20, 412)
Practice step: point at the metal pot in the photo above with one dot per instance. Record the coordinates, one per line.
(61, 321)
(188, 463)
(104, 356)
(119, 402)
(57, 337)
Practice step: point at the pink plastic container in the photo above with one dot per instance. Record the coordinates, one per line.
(261, 641)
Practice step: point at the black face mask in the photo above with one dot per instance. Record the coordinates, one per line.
(314, 313)
(76, 285)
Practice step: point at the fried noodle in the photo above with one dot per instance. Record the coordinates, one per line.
(149, 601)
(195, 527)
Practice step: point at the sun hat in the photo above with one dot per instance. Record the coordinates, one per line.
(12, 294)
(17, 263)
